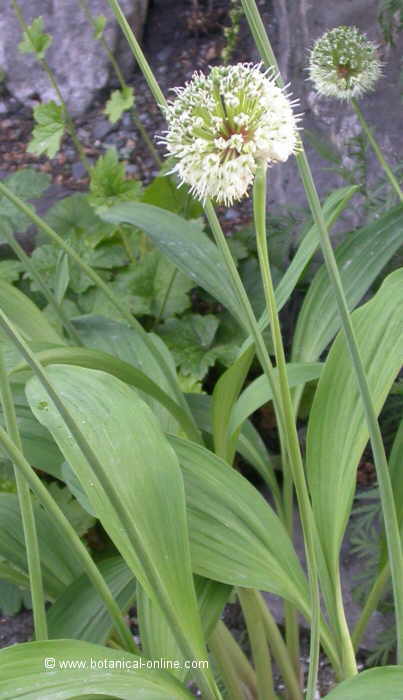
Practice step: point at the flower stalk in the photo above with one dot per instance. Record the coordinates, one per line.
(388, 505)
(27, 512)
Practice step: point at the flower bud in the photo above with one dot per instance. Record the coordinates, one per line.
(344, 63)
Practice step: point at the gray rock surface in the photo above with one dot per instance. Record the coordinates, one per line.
(80, 64)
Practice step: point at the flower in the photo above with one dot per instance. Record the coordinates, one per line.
(221, 126)
(344, 64)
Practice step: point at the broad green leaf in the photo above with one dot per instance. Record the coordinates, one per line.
(225, 394)
(163, 192)
(126, 343)
(337, 430)
(142, 506)
(396, 466)
(34, 39)
(25, 316)
(79, 612)
(48, 130)
(59, 566)
(360, 258)
(108, 184)
(120, 101)
(249, 443)
(22, 667)
(154, 287)
(71, 508)
(12, 594)
(74, 218)
(10, 270)
(385, 682)
(235, 536)
(157, 640)
(190, 340)
(96, 359)
(259, 391)
(185, 244)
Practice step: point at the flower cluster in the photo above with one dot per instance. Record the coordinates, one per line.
(222, 125)
(344, 64)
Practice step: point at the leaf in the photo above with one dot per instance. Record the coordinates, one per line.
(79, 612)
(164, 193)
(337, 429)
(157, 640)
(108, 184)
(124, 342)
(383, 682)
(70, 507)
(48, 130)
(27, 184)
(96, 359)
(258, 392)
(120, 101)
(73, 218)
(194, 343)
(143, 508)
(235, 536)
(10, 270)
(99, 26)
(34, 39)
(190, 339)
(185, 244)
(152, 282)
(360, 259)
(58, 564)
(23, 667)
(25, 316)
(12, 597)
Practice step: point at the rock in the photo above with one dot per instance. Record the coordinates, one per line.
(296, 24)
(80, 64)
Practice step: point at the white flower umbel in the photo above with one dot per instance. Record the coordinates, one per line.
(222, 125)
(344, 63)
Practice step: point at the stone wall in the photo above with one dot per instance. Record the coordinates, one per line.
(80, 64)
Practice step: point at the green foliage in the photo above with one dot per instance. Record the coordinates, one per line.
(35, 40)
(119, 102)
(48, 132)
(108, 185)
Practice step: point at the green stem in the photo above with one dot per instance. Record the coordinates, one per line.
(166, 297)
(27, 513)
(388, 505)
(294, 452)
(279, 650)
(107, 484)
(258, 642)
(218, 644)
(290, 613)
(240, 663)
(70, 538)
(370, 606)
(144, 135)
(50, 298)
(346, 646)
(115, 301)
(52, 79)
(375, 147)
